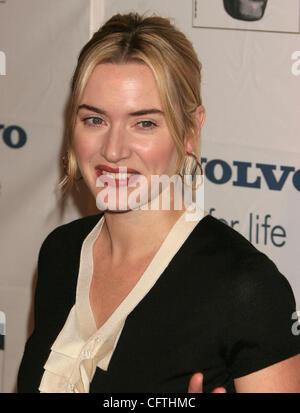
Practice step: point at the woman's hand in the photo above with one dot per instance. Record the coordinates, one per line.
(195, 385)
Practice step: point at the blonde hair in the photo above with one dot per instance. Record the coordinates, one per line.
(153, 41)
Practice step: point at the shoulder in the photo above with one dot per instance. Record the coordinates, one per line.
(78, 227)
(243, 271)
(69, 236)
(59, 254)
(58, 264)
(214, 239)
(217, 234)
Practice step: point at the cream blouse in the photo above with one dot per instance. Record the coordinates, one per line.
(80, 347)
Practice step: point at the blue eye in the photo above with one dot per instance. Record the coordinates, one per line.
(147, 124)
(94, 121)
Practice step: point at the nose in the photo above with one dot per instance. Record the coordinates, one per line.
(115, 146)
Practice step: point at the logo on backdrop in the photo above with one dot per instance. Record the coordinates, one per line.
(13, 136)
(220, 172)
(248, 10)
(2, 63)
(260, 227)
(259, 15)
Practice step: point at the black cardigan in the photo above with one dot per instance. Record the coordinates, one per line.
(220, 307)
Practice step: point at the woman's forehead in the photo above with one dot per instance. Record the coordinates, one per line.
(131, 84)
(126, 72)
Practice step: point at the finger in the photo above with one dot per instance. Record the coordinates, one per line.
(219, 390)
(195, 385)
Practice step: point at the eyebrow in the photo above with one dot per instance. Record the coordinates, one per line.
(137, 113)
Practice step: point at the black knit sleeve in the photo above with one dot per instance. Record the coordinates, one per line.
(262, 327)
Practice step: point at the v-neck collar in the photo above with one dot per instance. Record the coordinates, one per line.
(169, 247)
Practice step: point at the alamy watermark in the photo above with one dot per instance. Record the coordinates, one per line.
(2, 63)
(296, 65)
(164, 192)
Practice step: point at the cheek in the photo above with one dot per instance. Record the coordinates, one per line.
(160, 155)
(84, 148)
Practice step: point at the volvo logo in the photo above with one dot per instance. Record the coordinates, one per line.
(266, 173)
(13, 136)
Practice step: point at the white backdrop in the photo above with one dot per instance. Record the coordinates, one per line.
(250, 142)
(41, 40)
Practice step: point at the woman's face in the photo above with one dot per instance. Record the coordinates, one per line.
(120, 123)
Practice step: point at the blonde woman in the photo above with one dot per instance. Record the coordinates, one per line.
(142, 297)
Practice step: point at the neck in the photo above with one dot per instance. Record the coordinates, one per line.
(134, 233)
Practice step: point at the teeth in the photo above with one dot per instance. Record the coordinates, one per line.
(116, 175)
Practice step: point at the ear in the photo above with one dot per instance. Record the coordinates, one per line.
(199, 115)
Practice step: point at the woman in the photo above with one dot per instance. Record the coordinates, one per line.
(144, 297)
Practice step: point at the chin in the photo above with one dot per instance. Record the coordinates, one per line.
(122, 199)
(107, 201)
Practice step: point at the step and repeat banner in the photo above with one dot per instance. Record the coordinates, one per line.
(250, 52)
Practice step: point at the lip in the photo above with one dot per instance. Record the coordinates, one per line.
(116, 182)
(107, 168)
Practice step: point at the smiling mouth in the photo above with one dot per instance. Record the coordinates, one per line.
(116, 173)
(117, 176)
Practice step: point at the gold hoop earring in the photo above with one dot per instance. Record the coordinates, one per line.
(201, 171)
(65, 161)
